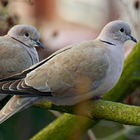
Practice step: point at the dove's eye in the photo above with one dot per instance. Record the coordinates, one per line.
(26, 34)
(122, 29)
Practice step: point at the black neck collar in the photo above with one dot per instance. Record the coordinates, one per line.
(107, 42)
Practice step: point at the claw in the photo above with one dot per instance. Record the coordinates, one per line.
(97, 98)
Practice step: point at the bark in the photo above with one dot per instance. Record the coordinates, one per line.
(101, 109)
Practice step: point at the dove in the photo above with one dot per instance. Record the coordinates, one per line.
(72, 74)
(17, 50)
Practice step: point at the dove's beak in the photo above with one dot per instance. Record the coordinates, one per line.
(37, 43)
(132, 38)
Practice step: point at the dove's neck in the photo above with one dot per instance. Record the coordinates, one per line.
(33, 54)
(109, 38)
(31, 51)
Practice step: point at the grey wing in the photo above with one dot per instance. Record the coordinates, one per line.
(77, 70)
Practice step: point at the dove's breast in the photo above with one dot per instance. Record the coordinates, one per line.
(116, 61)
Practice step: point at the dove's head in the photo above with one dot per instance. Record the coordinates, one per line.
(116, 32)
(26, 34)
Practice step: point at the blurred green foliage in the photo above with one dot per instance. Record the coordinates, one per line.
(25, 124)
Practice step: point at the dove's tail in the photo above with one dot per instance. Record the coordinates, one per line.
(14, 105)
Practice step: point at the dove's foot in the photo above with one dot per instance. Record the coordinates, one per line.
(97, 98)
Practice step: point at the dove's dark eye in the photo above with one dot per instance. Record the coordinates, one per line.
(26, 34)
(122, 29)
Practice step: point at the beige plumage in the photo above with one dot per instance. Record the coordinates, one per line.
(75, 73)
(17, 50)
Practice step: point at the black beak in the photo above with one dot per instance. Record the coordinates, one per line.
(37, 43)
(133, 39)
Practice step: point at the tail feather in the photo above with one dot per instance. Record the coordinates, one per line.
(16, 104)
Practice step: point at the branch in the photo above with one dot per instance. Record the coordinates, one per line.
(128, 82)
(97, 109)
(100, 109)
(57, 130)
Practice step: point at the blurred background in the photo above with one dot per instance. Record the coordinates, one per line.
(61, 23)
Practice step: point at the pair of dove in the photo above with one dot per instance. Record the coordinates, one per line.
(70, 75)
